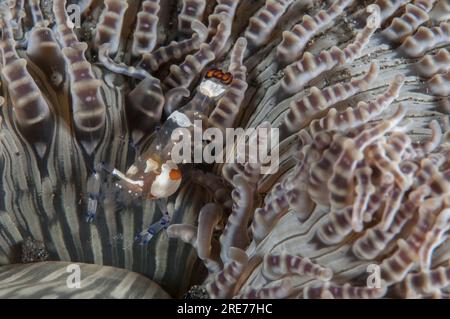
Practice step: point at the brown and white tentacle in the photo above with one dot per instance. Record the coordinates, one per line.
(89, 110)
(43, 48)
(153, 61)
(191, 11)
(110, 25)
(145, 33)
(32, 112)
(415, 14)
(263, 23)
(298, 74)
(295, 40)
(426, 38)
(302, 111)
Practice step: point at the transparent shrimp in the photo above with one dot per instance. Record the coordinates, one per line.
(154, 174)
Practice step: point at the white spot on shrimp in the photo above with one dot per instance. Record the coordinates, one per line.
(180, 119)
(211, 89)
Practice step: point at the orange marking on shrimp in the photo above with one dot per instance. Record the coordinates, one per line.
(210, 73)
(175, 174)
(218, 74)
(227, 78)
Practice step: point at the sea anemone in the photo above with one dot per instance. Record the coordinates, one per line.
(358, 90)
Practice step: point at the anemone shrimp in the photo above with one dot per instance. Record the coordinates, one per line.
(155, 175)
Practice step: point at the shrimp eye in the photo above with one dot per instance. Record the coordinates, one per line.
(218, 74)
(210, 73)
(227, 78)
(175, 174)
